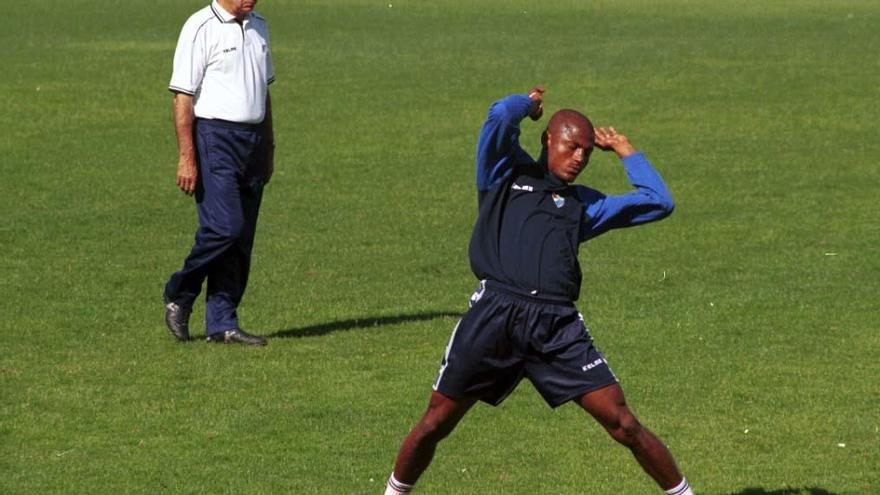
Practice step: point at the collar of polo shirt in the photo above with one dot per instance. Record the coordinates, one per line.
(224, 16)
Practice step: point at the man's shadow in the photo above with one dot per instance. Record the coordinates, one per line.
(784, 491)
(357, 324)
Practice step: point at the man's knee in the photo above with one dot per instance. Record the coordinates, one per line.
(435, 426)
(442, 416)
(625, 428)
(221, 222)
(226, 233)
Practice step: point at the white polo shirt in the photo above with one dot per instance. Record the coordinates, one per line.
(225, 65)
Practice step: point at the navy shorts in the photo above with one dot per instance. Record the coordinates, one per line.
(506, 336)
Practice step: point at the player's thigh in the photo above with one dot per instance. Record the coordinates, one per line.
(607, 405)
(443, 409)
(569, 368)
(480, 357)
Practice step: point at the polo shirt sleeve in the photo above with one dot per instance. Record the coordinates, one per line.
(190, 59)
(270, 67)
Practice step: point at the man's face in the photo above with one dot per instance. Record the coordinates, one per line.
(239, 8)
(568, 150)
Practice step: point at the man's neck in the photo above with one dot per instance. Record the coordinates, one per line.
(228, 7)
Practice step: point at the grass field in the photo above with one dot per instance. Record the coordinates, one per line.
(744, 328)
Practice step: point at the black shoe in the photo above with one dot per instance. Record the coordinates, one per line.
(236, 336)
(177, 320)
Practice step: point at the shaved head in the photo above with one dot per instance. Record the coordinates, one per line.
(568, 142)
(567, 120)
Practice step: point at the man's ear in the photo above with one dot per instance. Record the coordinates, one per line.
(545, 138)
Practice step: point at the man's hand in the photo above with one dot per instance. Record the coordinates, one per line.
(187, 175)
(608, 139)
(537, 96)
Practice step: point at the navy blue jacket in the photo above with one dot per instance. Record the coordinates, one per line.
(531, 223)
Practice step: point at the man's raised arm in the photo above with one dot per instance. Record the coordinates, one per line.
(498, 148)
(649, 202)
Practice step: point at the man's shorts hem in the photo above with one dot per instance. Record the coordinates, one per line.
(580, 393)
(457, 395)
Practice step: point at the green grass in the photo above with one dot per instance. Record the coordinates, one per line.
(743, 328)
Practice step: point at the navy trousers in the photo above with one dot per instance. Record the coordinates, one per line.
(232, 171)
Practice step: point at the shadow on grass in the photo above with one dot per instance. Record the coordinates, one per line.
(783, 491)
(356, 324)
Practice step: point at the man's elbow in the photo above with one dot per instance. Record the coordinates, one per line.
(500, 112)
(660, 204)
(508, 109)
(665, 205)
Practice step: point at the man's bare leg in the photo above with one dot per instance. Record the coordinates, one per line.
(608, 406)
(418, 447)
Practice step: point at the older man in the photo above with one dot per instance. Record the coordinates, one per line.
(223, 119)
(522, 322)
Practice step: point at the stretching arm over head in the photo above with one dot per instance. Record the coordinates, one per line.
(648, 202)
(498, 148)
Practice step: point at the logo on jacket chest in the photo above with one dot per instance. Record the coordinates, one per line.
(558, 200)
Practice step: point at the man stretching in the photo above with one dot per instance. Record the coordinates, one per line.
(522, 321)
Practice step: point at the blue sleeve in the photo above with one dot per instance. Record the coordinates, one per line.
(498, 147)
(649, 202)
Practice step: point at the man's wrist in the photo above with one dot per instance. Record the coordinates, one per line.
(625, 150)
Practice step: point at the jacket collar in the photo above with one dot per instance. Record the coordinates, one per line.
(549, 177)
